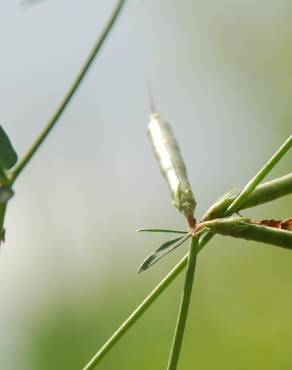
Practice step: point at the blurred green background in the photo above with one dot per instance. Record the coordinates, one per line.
(221, 73)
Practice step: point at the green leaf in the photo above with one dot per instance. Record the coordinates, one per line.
(162, 251)
(8, 156)
(152, 230)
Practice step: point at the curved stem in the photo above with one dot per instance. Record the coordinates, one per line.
(63, 104)
(184, 305)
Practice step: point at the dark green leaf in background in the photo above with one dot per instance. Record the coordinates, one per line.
(8, 156)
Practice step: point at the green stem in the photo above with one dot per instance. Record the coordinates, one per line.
(184, 305)
(263, 193)
(63, 104)
(2, 216)
(252, 184)
(3, 177)
(204, 239)
(269, 191)
(138, 312)
(135, 316)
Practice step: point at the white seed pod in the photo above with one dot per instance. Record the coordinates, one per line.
(171, 164)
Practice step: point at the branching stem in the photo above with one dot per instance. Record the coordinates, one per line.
(204, 239)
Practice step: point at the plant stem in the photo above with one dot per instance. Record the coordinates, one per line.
(2, 216)
(184, 305)
(135, 315)
(252, 184)
(263, 193)
(204, 239)
(269, 191)
(147, 302)
(3, 177)
(63, 104)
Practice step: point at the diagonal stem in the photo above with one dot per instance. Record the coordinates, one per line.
(3, 177)
(63, 104)
(204, 239)
(252, 184)
(263, 193)
(136, 314)
(184, 305)
(144, 305)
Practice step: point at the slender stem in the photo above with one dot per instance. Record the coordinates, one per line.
(3, 177)
(63, 104)
(2, 216)
(135, 315)
(184, 305)
(269, 191)
(252, 184)
(147, 302)
(204, 239)
(263, 193)
(234, 206)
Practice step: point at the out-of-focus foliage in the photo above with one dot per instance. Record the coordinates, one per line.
(8, 156)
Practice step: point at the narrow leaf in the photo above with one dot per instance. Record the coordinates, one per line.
(8, 156)
(152, 230)
(162, 251)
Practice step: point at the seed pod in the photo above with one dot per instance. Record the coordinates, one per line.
(8, 157)
(171, 164)
(239, 227)
(218, 208)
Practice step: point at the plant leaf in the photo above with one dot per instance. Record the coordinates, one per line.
(162, 251)
(8, 156)
(152, 230)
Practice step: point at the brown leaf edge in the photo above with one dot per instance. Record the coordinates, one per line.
(277, 224)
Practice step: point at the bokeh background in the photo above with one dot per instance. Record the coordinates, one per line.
(221, 73)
